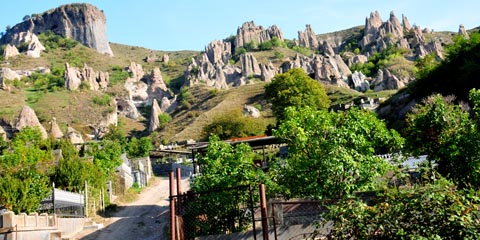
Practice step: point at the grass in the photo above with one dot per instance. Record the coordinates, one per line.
(339, 95)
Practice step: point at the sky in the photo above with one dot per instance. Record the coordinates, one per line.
(191, 24)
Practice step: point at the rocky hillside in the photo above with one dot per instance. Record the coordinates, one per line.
(91, 85)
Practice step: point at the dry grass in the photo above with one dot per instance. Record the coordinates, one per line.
(189, 124)
(11, 104)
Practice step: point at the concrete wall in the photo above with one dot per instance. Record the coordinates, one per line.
(34, 226)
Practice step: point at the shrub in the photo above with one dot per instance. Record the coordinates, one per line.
(102, 100)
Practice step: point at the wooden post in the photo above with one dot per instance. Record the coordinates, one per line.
(263, 208)
(86, 199)
(172, 205)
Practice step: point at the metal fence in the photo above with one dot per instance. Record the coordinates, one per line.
(63, 203)
(208, 215)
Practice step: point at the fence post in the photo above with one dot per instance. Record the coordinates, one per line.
(53, 196)
(263, 208)
(86, 199)
(172, 206)
(252, 208)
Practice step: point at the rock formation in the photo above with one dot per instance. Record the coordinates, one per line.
(249, 32)
(3, 134)
(359, 82)
(165, 58)
(97, 81)
(55, 130)
(462, 31)
(250, 66)
(156, 86)
(74, 136)
(406, 23)
(34, 47)
(126, 107)
(308, 38)
(218, 51)
(10, 51)
(385, 80)
(251, 111)
(137, 88)
(82, 22)
(154, 121)
(28, 118)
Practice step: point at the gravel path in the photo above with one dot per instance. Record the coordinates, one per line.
(145, 218)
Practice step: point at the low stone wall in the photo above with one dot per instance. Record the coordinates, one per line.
(35, 226)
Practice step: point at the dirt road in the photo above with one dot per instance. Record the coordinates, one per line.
(146, 218)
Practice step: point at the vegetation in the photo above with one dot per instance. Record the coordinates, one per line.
(379, 60)
(295, 88)
(233, 124)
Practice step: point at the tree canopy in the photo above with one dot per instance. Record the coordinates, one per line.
(295, 88)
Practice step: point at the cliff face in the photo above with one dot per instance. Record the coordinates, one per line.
(82, 22)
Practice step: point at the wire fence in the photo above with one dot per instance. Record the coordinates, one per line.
(215, 213)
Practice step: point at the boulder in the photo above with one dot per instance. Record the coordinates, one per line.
(268, 71)
(165, 58)
(74, 136)
(249, 32)
(251, 111)
(386, 81)
(28, 118)
(54, 129)
(136, 72)
(10, 51)
(7, 73)
(308, 38)
(79, 21)
(126, 107)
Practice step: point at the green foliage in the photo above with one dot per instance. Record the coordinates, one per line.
(278, 55)
(434, 211)
(378, 60)
(163, 119)
(301, 50)
(117, 75)
(268, 45)
(24, 167)
(71, 175)
(331, 154)
(295, 88)
(139, 147)
(186, 98)
(107, 156)
(445, 132)
(223, 167)
(251, 46)
(233, 125)
(51, 41)
(102, 100)
(456, 75)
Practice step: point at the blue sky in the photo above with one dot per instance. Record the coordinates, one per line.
(192, 24)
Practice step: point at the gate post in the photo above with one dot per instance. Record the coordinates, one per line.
(263, 208)
(172, 206)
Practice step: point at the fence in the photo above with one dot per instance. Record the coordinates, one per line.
(64, 204)
(212, 213)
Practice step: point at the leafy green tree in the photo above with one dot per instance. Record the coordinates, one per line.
(434, 211)
(444, 131)
(107, 156)
(223, 167)
(233, 124)
(139, 147)
(163, 119)
(331, 154)
(295, 88)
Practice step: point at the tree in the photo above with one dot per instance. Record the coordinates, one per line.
(295, 88)
(331, 154)
(139, 147)
(444, 131)
(233, 125)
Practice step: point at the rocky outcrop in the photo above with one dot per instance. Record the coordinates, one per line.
(28, 118)
(126, 107)
(55, 129)
(326, 49)
(249, 32)
(268, 71)
(7, 73)
(406, 23)
(34, 46)
(74, 136)
(218, 51)
(82, 22)
(3, 134)
(379, 34)
(96, 81)
(251, 111)
(308, 38)
(359, 82)
(165, 58)
(250, 66)
(137, 88)
(462, 31)
(154, 121)
(10, 51)
(385, 80)
(156, 86)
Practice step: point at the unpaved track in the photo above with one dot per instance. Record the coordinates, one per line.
(146, 218)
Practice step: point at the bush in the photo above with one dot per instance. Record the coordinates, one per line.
(102, 100)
